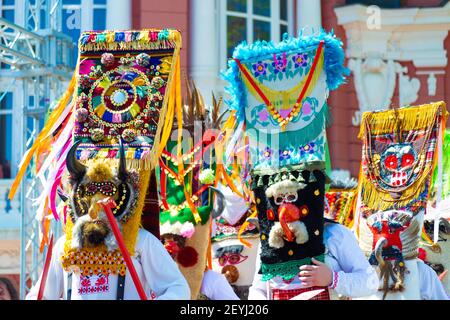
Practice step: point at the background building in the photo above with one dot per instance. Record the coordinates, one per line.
(397, 51)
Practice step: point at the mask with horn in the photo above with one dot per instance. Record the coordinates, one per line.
(91, 183)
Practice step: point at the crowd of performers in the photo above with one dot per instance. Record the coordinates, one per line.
(247, 205)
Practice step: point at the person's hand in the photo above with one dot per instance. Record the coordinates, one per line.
(319, 274)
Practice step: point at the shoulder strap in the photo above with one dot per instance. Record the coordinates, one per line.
(69, 286)
(120, 287)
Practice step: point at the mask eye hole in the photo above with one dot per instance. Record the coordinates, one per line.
(291, 197)
(407, 160)
(108, 189)
(279, 200)
(91, 188)
(234, 258)
(391, 162)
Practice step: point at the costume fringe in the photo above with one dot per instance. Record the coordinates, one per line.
(149, 39)
(310, 132)
(412, 118)
(379, 200)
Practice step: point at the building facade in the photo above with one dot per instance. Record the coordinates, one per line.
(397, 52)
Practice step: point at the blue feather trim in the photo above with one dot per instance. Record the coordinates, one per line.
(333, 63)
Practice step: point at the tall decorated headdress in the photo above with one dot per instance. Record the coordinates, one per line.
(186, 178)
(279, 92)
(400, 151)
(108, 130)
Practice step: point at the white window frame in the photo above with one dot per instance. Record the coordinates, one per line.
(274, 20)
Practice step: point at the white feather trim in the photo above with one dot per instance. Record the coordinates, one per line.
(283, 187)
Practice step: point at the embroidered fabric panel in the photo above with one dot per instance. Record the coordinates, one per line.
(258, 116)
(93, 284)
(122, 80)
(283, 66)
(308, 126)
(288, 153)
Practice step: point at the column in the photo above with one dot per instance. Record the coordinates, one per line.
(204, 64)
(118, 14)
(309, 15)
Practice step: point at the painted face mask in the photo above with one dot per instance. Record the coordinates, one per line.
(121, 95)
(279, 92)
(235, 243)
(399, 154)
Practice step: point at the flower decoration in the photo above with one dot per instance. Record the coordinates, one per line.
(307, 149)
(263, 115)
(260, 68)
(187, 230)
(84, 81)
(129, 135)
(300, 60)
(267, 153)
(82, 115)
(143, 59)
(279, 63)
(206, 176)
(285, 154)
(97, 135)
(107, 59)
(157, 82)
(306, 108)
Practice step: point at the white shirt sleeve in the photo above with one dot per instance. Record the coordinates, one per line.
(431, 287)
(161, 272)
(353, 276)
(54, 285)
(216, 287)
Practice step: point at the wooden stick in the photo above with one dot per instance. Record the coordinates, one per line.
(107, 204)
